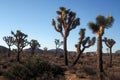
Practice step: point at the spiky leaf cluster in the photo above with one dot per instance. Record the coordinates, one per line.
(101, 21)
(109, 42)
(66, 20)
(82, 33)
(82, 44)
(85, 42)
(9, 40)
(20, 39)
(58, 43)
(34, 43)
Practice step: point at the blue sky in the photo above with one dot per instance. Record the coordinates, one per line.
(33, 17)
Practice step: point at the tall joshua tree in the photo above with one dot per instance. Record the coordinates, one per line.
(34, 44)
(20, 42)
(9, 40)
(98, 28)
(66, 22)
(58, 43)
(109, 43)
(82, 44)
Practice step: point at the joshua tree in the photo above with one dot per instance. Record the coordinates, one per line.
(109, 43)
(98, 28)
(34, 44)
(66, 22)
(82, 44)
(20, 42)
(58, 44)
(45, 49)
(9, 40)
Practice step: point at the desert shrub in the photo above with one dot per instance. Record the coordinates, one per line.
(32, 69)
(39, 67)
(1, 72)
(36, 66)
(57, 70)
(114, 76)
(89, 70)
(18, 72)
(113, 73)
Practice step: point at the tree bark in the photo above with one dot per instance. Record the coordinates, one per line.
(56, 51)
(9, 53)
(110, 57)
(18, 54)
(79, 55)
(33, 51)
(65, 50)
(76, 60)
(99, 54)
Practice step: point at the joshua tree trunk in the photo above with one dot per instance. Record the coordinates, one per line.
(79, 55)
(9, 53)
(110, 57)
(18, 57)
(79, 52)
(65, 50)
(56, 50)
(18, 54)
(99, 53)
(74, 63)
(109, 43)
(33, 51)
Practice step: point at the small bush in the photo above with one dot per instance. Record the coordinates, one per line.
(1, 72)
(89, 71)
(56, 70)
(18, 72)
(32, 69)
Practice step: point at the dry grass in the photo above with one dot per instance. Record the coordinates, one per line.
(86, 69)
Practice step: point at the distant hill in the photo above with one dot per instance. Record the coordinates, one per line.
(59, 50)
(37, 50)
(3, 49)
(118, 51)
